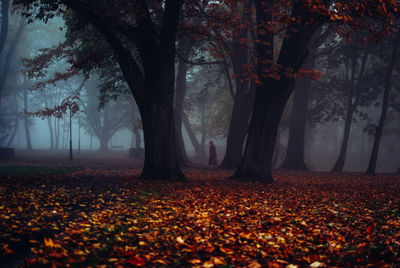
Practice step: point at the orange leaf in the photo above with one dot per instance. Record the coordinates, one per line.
(136, 261)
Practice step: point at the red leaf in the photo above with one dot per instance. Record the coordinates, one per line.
(136, 261)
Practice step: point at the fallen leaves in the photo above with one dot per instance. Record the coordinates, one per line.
(303, 220)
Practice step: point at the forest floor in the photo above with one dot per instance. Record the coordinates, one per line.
(98, 213)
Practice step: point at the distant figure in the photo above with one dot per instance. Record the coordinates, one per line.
(212, 161)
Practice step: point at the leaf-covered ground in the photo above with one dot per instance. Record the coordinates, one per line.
(108, 218)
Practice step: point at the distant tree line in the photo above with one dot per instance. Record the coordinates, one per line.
(262, 51)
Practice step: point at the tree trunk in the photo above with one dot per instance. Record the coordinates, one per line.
(57, 133)
(138, 139)
(9, 57)
(351, 106)
(257, 159)
(10, 141)
(64, 130)
(152, 83)
(91, 142)
(161, 155)
(104, 143)
(203, 128)
(385, 104)
(294, 159)
(51, 133)
(242, 106)
(277, 151)
(243, 102)
(197, 147)
(238, 127)
(26, 122)
(5, 6)
(180, 93)
(338, 167)
(272, 95)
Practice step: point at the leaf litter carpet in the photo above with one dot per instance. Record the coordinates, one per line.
(110, 218)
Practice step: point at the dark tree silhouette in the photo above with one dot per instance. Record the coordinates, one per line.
(385, 105)
(150, 76)
(272, 94)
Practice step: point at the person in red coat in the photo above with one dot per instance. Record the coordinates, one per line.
(212, 160)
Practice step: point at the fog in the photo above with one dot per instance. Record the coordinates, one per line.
(208, 103)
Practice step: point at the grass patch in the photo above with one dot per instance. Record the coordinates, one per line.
(35, 170)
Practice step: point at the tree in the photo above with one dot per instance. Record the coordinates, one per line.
(272, 94)
(202, 107)
(103, 120)
(9, 111)
(147, 64)
(10, 54)
(273, 90)
(353, 99)
(385, 105)
(184, 47)
(238, 49)
(294, 159)
(5, 6)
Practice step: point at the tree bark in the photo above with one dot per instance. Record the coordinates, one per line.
(242, 106)
(161, 155)
(272, 95)
(238, 128)
(294, 159)
(243, 102)
(385, 105)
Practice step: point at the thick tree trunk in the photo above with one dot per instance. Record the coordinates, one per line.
(268, 108)
(238, 127)
(200, 152)
(104, 143)
(159, 128)
(294, 159)
(243, 103)
(385, 104)
(5, 6)
(272, 95)
(161, 155)
(50, 125)
(152, 83)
